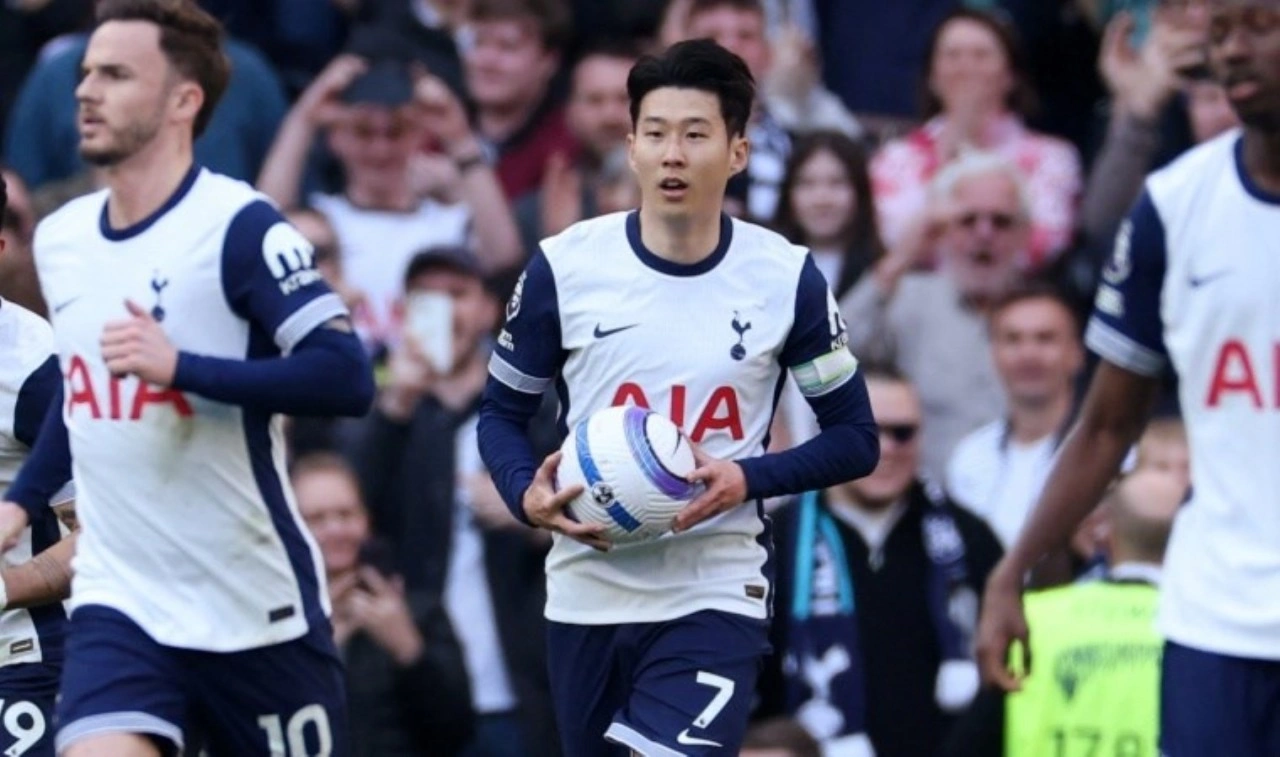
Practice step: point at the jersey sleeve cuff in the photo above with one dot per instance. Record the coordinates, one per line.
(1117, 348)
(516, 379)
(306, 318)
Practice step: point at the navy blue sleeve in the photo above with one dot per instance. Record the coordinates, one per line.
(34, 399)
(48, 468)
(327, 374)
(270, 279)
(524, 364)
(1126, 329)
(817, 353)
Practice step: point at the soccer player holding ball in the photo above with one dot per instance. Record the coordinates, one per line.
(654, 647)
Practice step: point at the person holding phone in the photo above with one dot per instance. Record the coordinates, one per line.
(430, 495)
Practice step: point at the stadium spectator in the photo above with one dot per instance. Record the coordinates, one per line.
(827, 206)
(599, 117)
(407, 688)
(933, 324)
(1163, 447)
(509, 63)
(997, 471)
(1094, 681)
(396, 200)
(431, 30)
(978, 98)
(42, 139)
(878, 589)
(1143, 83)
(449, 532)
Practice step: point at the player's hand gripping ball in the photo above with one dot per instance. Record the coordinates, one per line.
(632, 464)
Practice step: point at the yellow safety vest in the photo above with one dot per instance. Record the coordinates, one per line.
(1094, 689)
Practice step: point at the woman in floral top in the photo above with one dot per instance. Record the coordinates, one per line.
(977, 98)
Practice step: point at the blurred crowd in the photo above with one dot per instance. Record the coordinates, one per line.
(958, 171)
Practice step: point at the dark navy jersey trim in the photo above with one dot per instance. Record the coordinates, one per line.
(119, 235)
(662, 265)
(1257, 192)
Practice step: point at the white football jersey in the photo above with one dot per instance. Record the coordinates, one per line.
(188, 522)
(1192, 282)
(707, 345)
(28, 384)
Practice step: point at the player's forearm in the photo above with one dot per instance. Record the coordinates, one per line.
(42, 580)
(1111, 421)
(504, 443)
(847, 448)
(48, 468)
(327, 374)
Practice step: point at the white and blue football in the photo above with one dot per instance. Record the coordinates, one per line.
(631, 463)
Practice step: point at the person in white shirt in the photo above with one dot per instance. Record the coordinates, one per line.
(998, 470)
(1191, 285)
(187, 318)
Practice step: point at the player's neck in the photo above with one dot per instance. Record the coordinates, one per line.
(685, 240)
(1032, 421)
(144, 182)
(1261, 155)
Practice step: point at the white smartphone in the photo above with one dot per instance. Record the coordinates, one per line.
(429, 319)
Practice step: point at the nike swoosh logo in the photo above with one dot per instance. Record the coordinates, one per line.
(687, 740)
(1199, 281)
(602, 333)
(60, 307)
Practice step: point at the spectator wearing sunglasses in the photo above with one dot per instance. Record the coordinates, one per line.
(878, 585)
(933, 325)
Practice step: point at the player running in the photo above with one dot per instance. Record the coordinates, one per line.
(186, 315)
(1192, 283)
(656, 647)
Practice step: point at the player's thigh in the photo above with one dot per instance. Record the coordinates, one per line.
(693, 685)
(114, 745)
(117, 680)
(588, 674)
(1212, 704)
(285, 700)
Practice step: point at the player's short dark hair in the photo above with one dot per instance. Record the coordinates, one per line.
(702, 6)
(782, 734)
(551, 18)
(191, 40)
(702, 65)
(1036, 289)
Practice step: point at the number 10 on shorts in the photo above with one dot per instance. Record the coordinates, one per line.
(293, 734)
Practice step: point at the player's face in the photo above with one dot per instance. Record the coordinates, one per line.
(823, 199)
(507, 63)
(1036, 351)
(374, 145)
(739, 31)
(897, 412)
(599, 110)
(475, 312)
(127, 92)
(985, 235)
(1244, 53)
(682, 153)
(331, 507)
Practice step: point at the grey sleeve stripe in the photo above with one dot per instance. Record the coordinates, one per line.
(1115, 347)
(515, 378)
(306, 318)
(117, 722)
